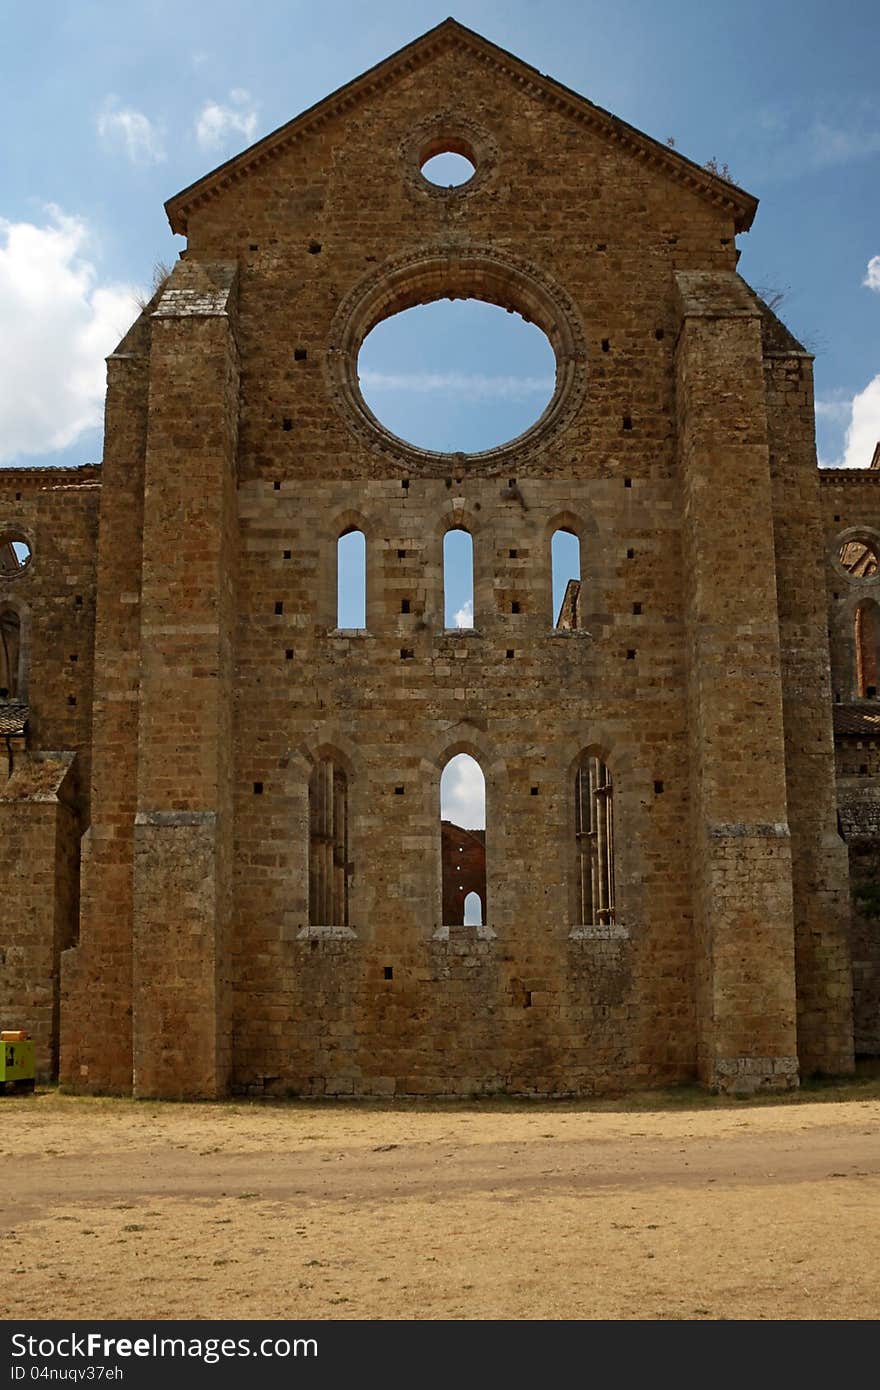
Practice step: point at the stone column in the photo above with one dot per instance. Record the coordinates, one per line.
(183, 825)
(820, 869)
(96, 973)
(39, 871)
(741, 847)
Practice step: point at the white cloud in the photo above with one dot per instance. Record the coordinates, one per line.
(218, 125)
(132, 131)
(790, 141)
(836, 407)
(872, 277)
(471, 387)
(465, 615)
(57, 324)
(863, 429)
(831, 144)
(463, 793)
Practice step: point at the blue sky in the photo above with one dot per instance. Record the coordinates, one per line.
(109, 109)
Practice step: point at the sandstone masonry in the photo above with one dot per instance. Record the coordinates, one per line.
(220, 840)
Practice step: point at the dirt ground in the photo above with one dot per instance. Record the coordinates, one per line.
(673, 1206)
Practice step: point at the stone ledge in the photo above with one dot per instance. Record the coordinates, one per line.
(324, 933)
(745, 1075)
(175, 818)
(741, 830)
(600, 931)
(455, 933)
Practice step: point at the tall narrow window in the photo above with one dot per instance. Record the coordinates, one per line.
(463, 842)
(867, 643)
(594, 832)
(473, 910)
(565, 563)
(351, 579)
(10, 647)
(328, 846)
(458, 579)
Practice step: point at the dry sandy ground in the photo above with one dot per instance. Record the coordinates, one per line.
(670, 1207)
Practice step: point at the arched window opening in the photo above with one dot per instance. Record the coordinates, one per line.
(351, 579)
(594, 835)
(867, 644)
(565, 564)
(10, 649)
(458, 579)
(473, 910)
(15, 554)
(463, 842)
(329, 868)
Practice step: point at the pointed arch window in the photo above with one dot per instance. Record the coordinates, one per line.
(473, 910)
(351, 579)
(565, 567)
(10, 654)
(329, 867)
(463, 842)
(594, 837)
(458, 579)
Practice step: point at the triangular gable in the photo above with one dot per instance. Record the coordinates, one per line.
(451, 34)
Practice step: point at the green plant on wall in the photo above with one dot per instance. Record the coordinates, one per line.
(867, 899)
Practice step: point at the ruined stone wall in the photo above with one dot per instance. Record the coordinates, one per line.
(820, 873)
(858, 757)
(309, 1006)
(183, 827)
(56, 510)
(96, 974)
(741, 851)
(851, 509)
(39, 874)
(864, 867)
(463, 870)
(540, 1005)
(238, 450)
(45, 777)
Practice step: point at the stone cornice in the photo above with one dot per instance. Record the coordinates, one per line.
(76, 473)
(452, 35)
(849, 475)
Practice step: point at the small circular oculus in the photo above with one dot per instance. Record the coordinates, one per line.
(858, 556)
(447, 161)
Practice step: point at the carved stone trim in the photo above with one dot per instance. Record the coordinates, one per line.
(448, 131)
(451, 35)
(868, 535)
(455, 271)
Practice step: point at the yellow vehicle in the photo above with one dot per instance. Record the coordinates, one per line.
(16, 1063)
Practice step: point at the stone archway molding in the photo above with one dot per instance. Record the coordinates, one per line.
(456, 272)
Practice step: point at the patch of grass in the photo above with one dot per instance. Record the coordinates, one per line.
(864, 1086)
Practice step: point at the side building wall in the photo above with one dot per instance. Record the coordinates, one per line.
(261, 894)
(820, 875)
(45, 759)
(851, 512)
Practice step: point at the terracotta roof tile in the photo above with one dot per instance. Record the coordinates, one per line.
(13, 718)
(857, 721)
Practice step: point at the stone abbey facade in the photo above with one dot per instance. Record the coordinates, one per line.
(220, 836)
